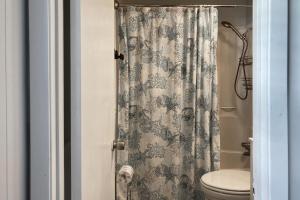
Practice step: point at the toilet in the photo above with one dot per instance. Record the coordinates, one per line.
(226, 184)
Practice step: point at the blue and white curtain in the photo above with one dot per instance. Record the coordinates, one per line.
(167, 100)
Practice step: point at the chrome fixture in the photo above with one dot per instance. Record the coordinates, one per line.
(229, 25)
(247, 146)
(243, 62)
(118, 145)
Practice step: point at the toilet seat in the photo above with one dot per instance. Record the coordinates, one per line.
(229, 192)
(227, 184)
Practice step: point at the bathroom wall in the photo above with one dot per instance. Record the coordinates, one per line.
(236, 119)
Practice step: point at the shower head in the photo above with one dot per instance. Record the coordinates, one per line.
(226, 24)
(242, 59)
(229, 25)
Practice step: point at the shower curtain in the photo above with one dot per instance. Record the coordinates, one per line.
(167, 100)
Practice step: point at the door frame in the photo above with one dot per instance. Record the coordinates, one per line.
(14, 118)
(3, 104)
(46, 99)
(270, 95)
(270, 130)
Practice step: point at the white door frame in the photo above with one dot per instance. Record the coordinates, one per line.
(46, 100)
(270, 99)
(294, 98)
(13, 101)
(3, 112)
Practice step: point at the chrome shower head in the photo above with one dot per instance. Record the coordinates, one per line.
(229, 25)
(226, 24)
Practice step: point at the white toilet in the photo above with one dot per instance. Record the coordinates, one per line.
(226, 184)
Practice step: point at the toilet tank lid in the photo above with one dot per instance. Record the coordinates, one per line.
(228, 179)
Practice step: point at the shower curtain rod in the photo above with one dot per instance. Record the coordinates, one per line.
(117, 5)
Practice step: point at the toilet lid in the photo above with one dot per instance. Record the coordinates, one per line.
(228, 179)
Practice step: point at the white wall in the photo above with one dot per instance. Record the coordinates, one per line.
(236, 124)
(93, 99)
(98, 99)
(13, 101)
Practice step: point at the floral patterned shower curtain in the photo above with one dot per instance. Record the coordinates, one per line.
(167, 100)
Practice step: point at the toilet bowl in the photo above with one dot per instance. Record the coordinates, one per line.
(227, 184)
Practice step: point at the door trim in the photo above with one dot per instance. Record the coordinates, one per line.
(270, 130)
(13, 101)
(46, 99)
(76, 144)
(3, 104)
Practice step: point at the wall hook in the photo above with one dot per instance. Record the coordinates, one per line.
(118, 55)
